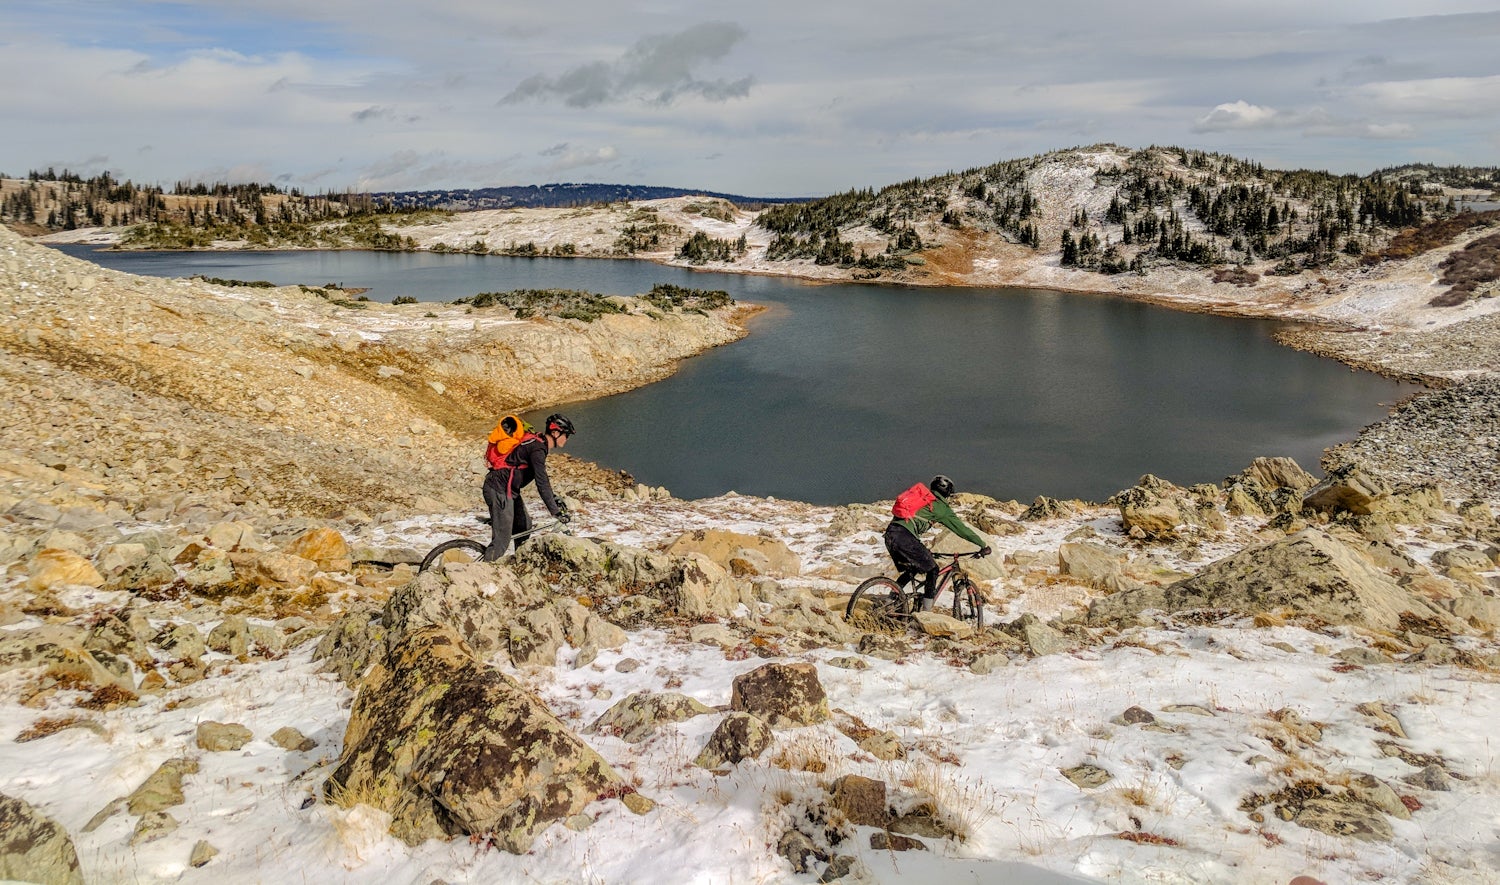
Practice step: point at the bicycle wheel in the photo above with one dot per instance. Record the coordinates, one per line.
(878, 604)
(456, 550)
(968, 603)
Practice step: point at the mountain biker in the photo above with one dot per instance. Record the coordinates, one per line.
(903, 539)
(502, 486)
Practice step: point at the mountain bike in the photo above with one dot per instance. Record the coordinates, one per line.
(470, 550)
(881, 603)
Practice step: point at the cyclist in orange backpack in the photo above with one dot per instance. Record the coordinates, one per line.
(915, 511)
(524, 462)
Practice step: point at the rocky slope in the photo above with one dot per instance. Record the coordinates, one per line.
(300, 400)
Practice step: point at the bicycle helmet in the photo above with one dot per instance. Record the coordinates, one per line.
(941, 486)
(560, 424)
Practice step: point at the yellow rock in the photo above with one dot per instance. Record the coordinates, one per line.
(325, 546)
(53, 567)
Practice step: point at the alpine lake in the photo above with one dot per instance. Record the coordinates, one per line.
(850, 392)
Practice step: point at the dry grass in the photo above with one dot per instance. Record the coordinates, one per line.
(960, 803)
(48, 725)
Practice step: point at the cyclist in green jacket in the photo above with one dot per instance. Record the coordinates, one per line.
(903, 537)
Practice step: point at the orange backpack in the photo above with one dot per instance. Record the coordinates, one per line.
(509, 433)
(913, 499)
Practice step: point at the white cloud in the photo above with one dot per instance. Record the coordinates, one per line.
(1239, 115)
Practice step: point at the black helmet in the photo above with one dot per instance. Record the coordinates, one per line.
(560, 424)
(941, 486)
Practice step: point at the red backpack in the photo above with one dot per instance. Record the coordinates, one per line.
(913, 499)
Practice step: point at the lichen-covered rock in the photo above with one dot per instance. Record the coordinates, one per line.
(480, 601)
(355, 640)
(861, 799)
(35, 848)
(1047, 508)
(289, 738)
(935, 623)
(784, 695)
(739, 736)
(637, 716)
(1277, 473)
(1344, 816)
(448, 746)
(1309, 572)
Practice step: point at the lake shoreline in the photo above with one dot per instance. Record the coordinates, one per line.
(1318, 333)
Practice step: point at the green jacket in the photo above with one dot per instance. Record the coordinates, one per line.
(939, 512)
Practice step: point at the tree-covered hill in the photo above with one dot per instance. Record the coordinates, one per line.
(1115, 209)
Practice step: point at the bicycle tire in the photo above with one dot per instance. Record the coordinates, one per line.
(884, 604)
(439, 552)
(966, 600)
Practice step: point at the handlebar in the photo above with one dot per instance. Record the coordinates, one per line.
(971, 553)
(566, 530)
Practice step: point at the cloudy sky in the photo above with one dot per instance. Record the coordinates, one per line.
(773, 98)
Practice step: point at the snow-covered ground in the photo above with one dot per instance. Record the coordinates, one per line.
(987, 750)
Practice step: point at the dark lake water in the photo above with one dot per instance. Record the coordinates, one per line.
(850, 393)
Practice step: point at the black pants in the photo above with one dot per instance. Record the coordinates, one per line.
(508, 515)
(911, 557)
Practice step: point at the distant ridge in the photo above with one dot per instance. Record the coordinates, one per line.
(534, 196)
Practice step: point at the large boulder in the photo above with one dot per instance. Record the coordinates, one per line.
(449, 747)
(1276, 473)
(784, 695)
(691, 586)
(1346, 489)
(733, 550)
(480, 601)
(1154, 509)
(1310, 572)
(35, 848)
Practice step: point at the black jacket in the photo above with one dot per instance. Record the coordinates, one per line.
(527, 462)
